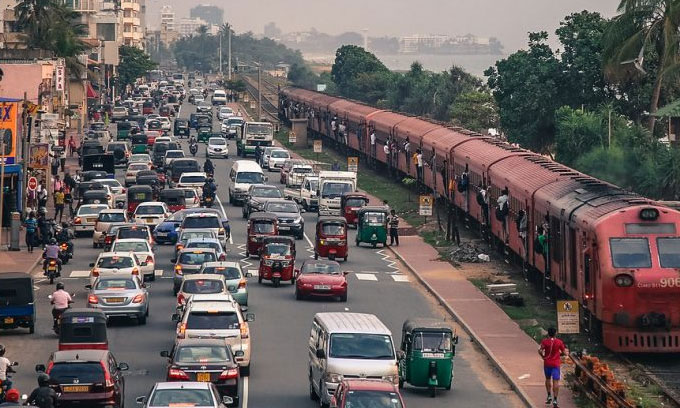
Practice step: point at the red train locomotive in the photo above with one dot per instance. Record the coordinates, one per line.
(615, 252)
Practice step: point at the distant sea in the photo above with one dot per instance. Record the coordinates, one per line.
(474, 64)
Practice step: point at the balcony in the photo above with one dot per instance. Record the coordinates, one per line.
(131, 20)
(129, 35)
(83, 6)
(129, 5)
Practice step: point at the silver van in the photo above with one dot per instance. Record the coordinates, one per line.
(345, 346)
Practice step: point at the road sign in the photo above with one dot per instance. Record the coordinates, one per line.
(353, 164)
(317, 146)
(32, 183)
(568, 317)
(425, 205)
(292, 137)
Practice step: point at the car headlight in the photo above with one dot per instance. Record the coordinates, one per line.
(394, 379)
(253, 239)
(285, 263)
(334, 377)
(268, 262)
(298, 220)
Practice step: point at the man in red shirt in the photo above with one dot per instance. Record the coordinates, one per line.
(551, 350)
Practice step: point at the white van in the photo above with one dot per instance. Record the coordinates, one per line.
(243, 173)
(219, 97)
(348, 345)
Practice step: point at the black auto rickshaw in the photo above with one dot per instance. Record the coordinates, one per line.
(83, 328)
(95, 197)
(260, 226)
(164, 111)
(350, 203)
(277, 260)
(139, 143)
(372, 225)
(331, 238)
(181, 128)
(152, 181)
(174, 198)
(426, 357)
(17, 301)
(137, 195)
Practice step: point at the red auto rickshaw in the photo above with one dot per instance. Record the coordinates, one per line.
(174, 199)
(260, 225)
(331, 238)
(350, 203)
(136, 195)
(277, 260)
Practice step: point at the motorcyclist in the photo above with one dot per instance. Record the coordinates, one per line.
(61, 300)
(11, 398)
(65, 235)
(51, 252)
(5, 368)
(208, 167)
(209, 188)
(43, 396)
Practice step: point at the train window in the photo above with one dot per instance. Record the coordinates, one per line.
(630, 252)
(669, 252)
(650, 228)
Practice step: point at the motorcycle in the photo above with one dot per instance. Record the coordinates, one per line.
(56, 315)
(208, 201)
(193, 148)
(6, 385)
(64, 236)
(52, 270)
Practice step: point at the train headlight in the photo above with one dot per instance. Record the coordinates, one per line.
(623, 280)
(649, 214)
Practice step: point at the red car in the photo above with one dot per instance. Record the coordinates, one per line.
(151, 136)
(320, 278)
(367, 393)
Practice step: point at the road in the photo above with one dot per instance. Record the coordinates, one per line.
(279, 368)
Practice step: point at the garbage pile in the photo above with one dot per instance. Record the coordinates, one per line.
(467, 252)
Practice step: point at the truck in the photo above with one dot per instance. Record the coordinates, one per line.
(332, 185)
(305, 194)
(253, 134)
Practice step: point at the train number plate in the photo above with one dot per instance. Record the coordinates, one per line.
(203, 377)
(76, 388)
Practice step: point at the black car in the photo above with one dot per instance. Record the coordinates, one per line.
(181, 127)
(180, 166)
(205, 360)
(91, 377)
(159, 149)
(290, 219)
(258, 195)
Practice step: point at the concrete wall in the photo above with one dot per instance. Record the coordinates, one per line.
(20, 78)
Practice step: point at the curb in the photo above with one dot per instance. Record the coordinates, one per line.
(515, 386)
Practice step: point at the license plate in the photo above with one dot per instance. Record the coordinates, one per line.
(203, 377)
(115, 300)
(283, 227)
(9, 320)
(149, 220)
(76, 388)
(322, 287)
(90, 219)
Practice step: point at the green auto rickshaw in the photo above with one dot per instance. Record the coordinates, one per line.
(204, 133)
(372, 225)
(139, 143)
(426, 358)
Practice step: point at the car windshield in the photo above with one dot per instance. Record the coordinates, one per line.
(182, 398)
(217, 141)
(333, 229)
(669, 252)
(213, 321)
(74, 373)
(201, 354)
(149, 210)
(372, 399)
(192, 179)
(140, 233)
(263, 227)
(282, 207)
(229, 272)
(110, 183)
(334, 190)
(189, 193)
(280, 154)
(249, 177)
(321, 268)
(196, 234)
(355, 202)
(174, 154)
(115, 262)
(115, 284)
(138, 246)
(154, 125)
(113, 146)
(191, 258)
(427, 341)
(630, 252)
(235, 122)
(111, 217)
(302, 170)
(202, 286)
(361, 346)
(201, 222)
(266, 193)
(374, 218)
(92, 210)
(277, 249)
(138, 166)
(206, 244)
(259, 129)
(140, 158)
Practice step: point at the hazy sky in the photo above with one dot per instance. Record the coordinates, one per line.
(508, 20)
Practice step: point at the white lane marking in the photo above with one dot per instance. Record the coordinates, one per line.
(366, 276)
(79, 274)
(245, 392)
(158, 272)
(254, 272)
(400, 278)
(308, 240)
(224, 213)
(391, 262)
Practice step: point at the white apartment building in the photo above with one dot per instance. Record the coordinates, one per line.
(168, 18)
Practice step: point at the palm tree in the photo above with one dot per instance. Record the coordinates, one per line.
(66, 35)
(34, 17)
(644, 28)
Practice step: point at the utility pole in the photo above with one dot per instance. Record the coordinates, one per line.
(229, 50)
(2, 185)
(259, 92)
(27, 123)
(220, 54)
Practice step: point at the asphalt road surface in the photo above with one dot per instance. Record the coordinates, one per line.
(279, 334)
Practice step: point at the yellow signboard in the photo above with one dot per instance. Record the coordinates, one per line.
(425, 205)
(353, 164)
(568, 317)
(317, 146)
(292, 137)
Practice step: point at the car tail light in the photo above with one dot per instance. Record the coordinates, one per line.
(229, 374)
(244, 330)
(135, 271)
(178, 269)
(95, 272)
(180, 299)
(123, 191)
(242, 284)
(92, 299)
(107, 376)
(63, 246)
(108, 239)
(182, 330)
(223, 257)
(77, 220)
(177, 374)
(149, 260)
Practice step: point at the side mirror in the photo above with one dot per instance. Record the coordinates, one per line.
(239, 353)
(320, 353)
(401, 355)
(140, 400)
(40, 368)
(249, 274)
(175, 317)
(173, 260)
(165, 354)
(227, 400)
(91, 264)
(88, 286)
(345, 273)
(455, 339)
(123, 366)
(250, 317)
(266, 178)
(14, 364)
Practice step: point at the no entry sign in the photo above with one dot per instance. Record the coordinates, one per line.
(32, 183)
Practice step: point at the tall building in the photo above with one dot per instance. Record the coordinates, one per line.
(189, 26)
(133, 29)
(208, 13)
(167, 18)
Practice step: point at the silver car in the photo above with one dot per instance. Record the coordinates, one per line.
(124, 296)
(184, 394)
(213, 243)
(189, 261)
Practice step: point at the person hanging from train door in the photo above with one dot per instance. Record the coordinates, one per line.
(502, 211)
(419, 165)
(373, 151)
(388, 157)
(522, 222)
(407, 152)
(463, 185)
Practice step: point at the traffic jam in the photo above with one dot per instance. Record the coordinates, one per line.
(190, 222)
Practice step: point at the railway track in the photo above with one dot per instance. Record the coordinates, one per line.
(662, 370)
(270, 97)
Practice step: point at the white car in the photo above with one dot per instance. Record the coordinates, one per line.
(117, 190)
(198, 99)
(264, 158)
(217, 147)
(140, 158)
(142, 249)
(225, 112)
(194, 180)
(115, 263)
(166, 123)
(87, 216)
(191, 198)
(132, 170)
(276, 159)
(171, 155)
(151, 213)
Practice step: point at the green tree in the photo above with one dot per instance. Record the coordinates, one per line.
(236, 85)
(134, 63)
(300, 75)
(353, 71)
(449, 86)
(413, 92)
(576, 132)
(34, 18)
(526, 86)
(475, 110)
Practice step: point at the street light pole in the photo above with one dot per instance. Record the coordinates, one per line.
(229, 50)
(259, 92)
(220, 54)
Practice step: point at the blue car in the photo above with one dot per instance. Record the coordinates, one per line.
(166, 231)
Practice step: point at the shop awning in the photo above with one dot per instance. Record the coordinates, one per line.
(12, 169)
(91, 93)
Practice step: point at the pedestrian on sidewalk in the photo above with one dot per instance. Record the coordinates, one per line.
(43, 228)
(393, 221)
(55, 165)
(42, 195)
(551, 351)
(57, 184)
(31, 225)
(59, 199)
(71, 146)
(62, 160)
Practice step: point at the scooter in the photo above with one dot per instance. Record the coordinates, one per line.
(65, 252)
(193, 148)
(52, 270)
(5, 385)
(208, 201)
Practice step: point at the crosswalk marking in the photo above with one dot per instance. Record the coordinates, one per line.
(79, 274)
(400, 278)
(366, 276)
(158, 272)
